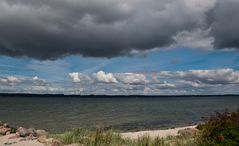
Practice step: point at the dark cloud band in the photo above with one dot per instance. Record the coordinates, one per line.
(57, 28)
(224, 27)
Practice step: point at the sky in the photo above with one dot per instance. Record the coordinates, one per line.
(120, 47)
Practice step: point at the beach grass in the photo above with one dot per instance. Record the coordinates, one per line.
(99, 137)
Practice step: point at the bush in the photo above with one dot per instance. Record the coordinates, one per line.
(220, 130)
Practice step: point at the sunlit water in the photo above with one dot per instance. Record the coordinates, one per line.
(60, 114)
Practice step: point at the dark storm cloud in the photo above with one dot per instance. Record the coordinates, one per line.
(49, 29)
(224, 20)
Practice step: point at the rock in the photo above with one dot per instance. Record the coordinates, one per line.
(32, 131)
(42, 139)
(8, 132)
(40, 132)
(4, 130)
(30, 137)
(18, 134)
(188, 132)
(5, 125)
(23, 132)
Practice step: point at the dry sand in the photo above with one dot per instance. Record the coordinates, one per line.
(154, 133)
(4, 141)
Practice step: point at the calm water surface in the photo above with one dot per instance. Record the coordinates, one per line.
(59, 114)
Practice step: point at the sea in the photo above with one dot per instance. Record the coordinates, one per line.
(58, 114)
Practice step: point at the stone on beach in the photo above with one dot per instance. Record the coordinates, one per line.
(6, 125)
(42, 139)
(24, 136)
(40, 132)
(4, 130)
(23, 132)
(32, 131)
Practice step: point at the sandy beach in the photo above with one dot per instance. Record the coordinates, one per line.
(4, 140)
(155, 133)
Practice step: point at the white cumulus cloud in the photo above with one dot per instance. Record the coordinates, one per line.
(75, 76)
(105, 77)
(10, 80)
(132, 78)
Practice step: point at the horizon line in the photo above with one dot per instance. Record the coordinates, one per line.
(107, 95)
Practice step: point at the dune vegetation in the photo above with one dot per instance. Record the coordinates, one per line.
(110, 138)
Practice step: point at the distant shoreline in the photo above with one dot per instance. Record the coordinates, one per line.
(106, 96)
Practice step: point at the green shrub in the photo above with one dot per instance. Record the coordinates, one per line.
(220, 130)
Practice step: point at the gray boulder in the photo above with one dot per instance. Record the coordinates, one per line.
(23, 132)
